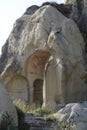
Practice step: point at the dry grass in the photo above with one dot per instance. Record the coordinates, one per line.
(30, 108)
(23, 107)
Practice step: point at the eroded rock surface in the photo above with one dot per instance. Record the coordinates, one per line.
(75, 113)
(45, 46)
(31, 10)
(6, 105)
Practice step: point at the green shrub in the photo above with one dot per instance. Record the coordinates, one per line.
(65, 126)
(6, 122)
(42, 111)
(50, 118)
(24, 106)
(30, 108)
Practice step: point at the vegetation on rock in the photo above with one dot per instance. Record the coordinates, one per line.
(6, 122)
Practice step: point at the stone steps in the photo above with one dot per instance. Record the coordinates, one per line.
(37, 122)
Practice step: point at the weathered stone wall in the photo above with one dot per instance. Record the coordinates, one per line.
(48, 47)
(18, 88)
(84, 2)
(6, 106)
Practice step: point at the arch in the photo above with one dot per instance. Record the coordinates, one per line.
(35, 70)
(37, 61)
(18, 88)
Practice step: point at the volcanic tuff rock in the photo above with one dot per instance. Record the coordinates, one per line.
(83, 2)
(82, 23)
(31, 10)
(65, 9)
(77, 8)
(6, 105)
(75, 113)
(43, 59)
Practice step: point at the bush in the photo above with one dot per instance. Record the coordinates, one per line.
(24, 107)
(65, 126)
(6, 122)
(42, 111)
(50, 118)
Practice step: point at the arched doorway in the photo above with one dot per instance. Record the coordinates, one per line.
(35, 74)
(38, 91)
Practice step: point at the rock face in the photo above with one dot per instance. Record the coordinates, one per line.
(83, 26)
(6, 105)
(31, 10)
(75, 113)
(68, 1)
(72, 1)
(65, 9)
(43, 59)
(77, 8)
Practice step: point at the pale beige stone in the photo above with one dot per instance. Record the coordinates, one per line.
(48, 48)
(18, 88)
(6, 105)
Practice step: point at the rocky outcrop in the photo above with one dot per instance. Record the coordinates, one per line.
(44, 57)
(6, 106)
(65, 9)
(77, 8)
(75, 113)
(31, 10)
(83, 26)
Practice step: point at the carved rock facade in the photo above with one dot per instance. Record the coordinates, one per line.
(43, 59)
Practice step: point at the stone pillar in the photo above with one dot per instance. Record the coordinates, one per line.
(31, 81)
(49, 86)
(60, 82)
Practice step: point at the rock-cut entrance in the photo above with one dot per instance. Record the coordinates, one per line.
(35, 73)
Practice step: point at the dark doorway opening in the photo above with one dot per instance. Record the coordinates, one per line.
(38, 91)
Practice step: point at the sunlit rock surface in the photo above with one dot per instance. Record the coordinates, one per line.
(42, 60)
(75, 113)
